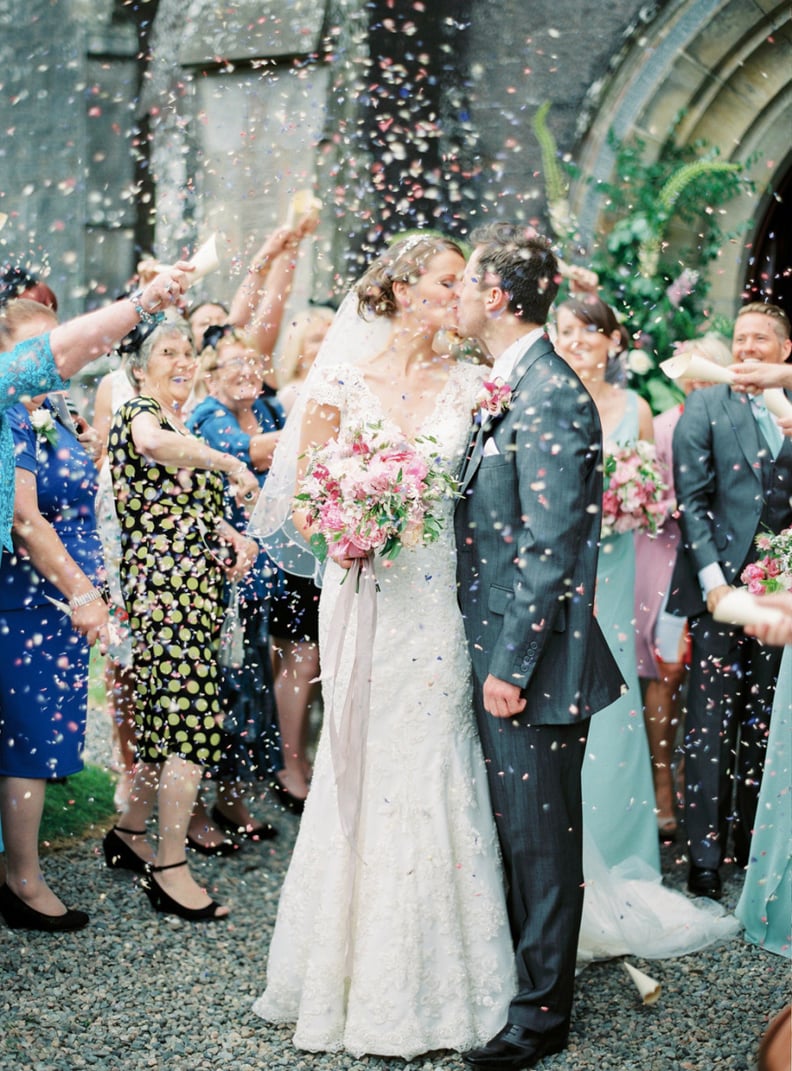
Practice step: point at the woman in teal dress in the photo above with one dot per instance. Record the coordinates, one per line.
(618, 789)
(765, 906)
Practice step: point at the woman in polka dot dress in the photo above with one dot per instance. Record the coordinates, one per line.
(176, 551)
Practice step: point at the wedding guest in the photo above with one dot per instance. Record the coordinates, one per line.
(202, 316)
(661, 637)
(733, 478)
(17, 282)
(294, 610)
(304, 335)
(114, 389)
(258, 303)
(43, 364)
(176, 550)
(765, 905)
(44, 669)
(237, 418)
(618, 790)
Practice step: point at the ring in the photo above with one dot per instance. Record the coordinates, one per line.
(249, 496)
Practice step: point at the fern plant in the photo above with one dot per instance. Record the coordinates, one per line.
(658, 289)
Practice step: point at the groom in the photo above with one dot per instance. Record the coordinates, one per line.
(527, 530)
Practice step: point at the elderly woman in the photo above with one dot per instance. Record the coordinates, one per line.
(41, 364)
(176, 551)
(237, 417)
(44, 669)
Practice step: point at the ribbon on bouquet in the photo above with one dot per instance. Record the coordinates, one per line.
(348, 733)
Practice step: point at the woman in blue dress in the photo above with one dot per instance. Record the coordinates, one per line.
(237, 418)
(44, 669)
(618, 788)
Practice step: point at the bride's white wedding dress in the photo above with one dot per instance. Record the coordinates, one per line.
(404, 947)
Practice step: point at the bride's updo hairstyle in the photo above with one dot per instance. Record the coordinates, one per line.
(403, 262)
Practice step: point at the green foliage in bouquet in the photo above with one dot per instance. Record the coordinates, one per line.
(659, 292)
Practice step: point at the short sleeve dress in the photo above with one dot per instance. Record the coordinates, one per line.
(172, 588)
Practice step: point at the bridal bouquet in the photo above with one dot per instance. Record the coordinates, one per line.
(364, 493)
(634, 494)
(773, 571)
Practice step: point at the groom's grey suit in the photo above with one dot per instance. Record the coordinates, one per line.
(527, 529)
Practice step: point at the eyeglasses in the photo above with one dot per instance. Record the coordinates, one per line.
(238, 364)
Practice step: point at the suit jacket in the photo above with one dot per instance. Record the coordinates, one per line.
(728, 487)
(528, 529)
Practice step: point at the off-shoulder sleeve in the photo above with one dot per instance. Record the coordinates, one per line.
(27, 370)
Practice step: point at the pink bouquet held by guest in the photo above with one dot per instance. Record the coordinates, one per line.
(773, 571)
(364, 494)
(635, 491)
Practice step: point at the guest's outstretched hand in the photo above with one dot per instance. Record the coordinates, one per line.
(750, 377)
(166, 288)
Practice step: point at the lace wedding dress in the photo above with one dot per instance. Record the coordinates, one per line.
(400, 945)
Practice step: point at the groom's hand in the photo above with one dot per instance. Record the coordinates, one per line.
(501, 699)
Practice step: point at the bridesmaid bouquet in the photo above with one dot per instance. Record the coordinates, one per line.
(634, 494)
(773, 571)
(365, 493)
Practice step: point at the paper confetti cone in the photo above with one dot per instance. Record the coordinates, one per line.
(778, 403)
(646, 986)
(740, 607)
(204, 261)
(694, 366)
(303, 204)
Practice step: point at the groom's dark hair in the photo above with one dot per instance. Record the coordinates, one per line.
(525, 265)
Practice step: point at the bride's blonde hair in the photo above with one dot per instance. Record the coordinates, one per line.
(404, 261)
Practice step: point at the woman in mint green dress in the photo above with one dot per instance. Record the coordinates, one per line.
(765, 906)
(618, 789)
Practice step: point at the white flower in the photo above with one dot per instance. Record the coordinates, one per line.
(639, 362)
(44, 426)
(41, 419)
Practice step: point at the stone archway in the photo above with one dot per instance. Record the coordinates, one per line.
(717, 70)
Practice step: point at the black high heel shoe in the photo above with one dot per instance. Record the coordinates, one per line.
(225, 847)
(118, 855)
(20, 916)
(286, 799)
(166, 905)
(262, 832)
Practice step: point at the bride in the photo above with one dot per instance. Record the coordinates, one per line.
(392, 938)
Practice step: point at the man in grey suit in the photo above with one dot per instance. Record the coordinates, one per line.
(527, 529)
(733, 480)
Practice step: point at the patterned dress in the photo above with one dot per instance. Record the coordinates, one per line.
(172, 586)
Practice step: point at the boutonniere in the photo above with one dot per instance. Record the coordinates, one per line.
(44, 426)
(495, 396)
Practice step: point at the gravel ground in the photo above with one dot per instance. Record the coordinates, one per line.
(136, 991)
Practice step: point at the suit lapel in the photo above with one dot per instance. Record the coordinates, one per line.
(475, 450)
(741, 418)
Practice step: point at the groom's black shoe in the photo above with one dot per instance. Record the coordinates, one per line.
(705, 882)
(515, 1048)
